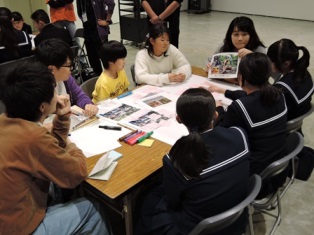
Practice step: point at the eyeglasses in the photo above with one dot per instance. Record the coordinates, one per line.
(71, 66)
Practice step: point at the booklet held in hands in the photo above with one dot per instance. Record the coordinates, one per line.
(224, 65)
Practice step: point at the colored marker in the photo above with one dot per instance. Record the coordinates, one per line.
(127, 135)
(134, 139)
(144, 137)
(125, 94)
(114, 128)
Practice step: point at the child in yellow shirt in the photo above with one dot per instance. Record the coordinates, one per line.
(113, 81)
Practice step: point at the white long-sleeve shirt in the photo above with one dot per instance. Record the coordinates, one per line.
(154, 70)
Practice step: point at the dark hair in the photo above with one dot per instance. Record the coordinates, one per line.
(112, 51)
(8, 36)
(285, 50)
(17, 16)
(40, 15)
(54, 52)
(243, 24)
(156, 31)
(255, 69)
(190, 155)
(25, 86)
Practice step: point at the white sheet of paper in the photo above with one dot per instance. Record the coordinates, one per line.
(105, 174)
(94, 140)
(102, 163)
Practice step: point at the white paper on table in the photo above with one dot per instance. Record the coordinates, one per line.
(93, 140)
(104, 168)
(171, 133)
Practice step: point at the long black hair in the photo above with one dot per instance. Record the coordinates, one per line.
(244, 24)
(195, 109)
(286, 50)
(8, 36)
(255, 69)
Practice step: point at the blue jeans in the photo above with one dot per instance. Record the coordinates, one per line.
(79, 216)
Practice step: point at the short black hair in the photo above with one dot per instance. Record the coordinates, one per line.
(112, 51)
(17, 16)
(25, 86)
(40, 15)
(54, 52)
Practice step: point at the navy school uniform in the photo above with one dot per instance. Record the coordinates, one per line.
(180, 204)
(298, 95)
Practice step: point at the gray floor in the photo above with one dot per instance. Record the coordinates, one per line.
(200, 35)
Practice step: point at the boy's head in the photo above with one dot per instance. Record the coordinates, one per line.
(40, 19)
(28, 91)
(57, 55)
(113, 53)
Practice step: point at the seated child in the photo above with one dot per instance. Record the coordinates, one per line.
(113, 81)
(19, 24)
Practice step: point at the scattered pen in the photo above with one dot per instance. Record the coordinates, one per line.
(125, 94)
(115, 128)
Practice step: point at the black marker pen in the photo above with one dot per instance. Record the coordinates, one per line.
(115, 128)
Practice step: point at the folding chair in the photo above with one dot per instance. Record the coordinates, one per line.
(223, 220)
(79, 34)
(89, 86)
(132, 68)
(294, 145)
(295, 125)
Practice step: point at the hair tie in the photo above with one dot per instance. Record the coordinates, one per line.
(194, 129)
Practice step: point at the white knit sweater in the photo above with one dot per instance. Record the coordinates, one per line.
(154, 71)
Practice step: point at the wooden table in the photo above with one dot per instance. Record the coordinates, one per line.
(136, 165)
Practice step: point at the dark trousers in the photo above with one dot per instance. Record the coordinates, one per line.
(93, 47)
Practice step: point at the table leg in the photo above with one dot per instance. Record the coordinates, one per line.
(127, 208)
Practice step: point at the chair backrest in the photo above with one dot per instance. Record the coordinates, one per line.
(89, 86)
(5, 65)
(294, 145)
(225, 219)
(79, 33)
(296, 124)
(132, 68)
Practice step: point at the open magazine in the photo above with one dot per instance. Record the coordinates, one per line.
(224, 65)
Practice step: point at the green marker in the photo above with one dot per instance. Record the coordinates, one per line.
(144, 137)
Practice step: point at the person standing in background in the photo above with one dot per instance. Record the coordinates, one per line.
(62, 14)
(96, 17)
(165, 11)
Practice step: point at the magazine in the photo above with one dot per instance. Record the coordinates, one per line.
(120, 112)
(224, 65)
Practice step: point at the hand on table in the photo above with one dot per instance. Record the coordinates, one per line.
(90, 110)
(176, 77)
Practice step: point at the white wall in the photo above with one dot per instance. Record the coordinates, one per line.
(300, 9)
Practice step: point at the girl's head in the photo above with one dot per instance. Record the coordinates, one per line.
(195, 109)
(254, 72)
(284, 55)
(158, 42)
(8, 36)
(241, 34)
(18, 20)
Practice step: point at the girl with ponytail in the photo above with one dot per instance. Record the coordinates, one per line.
(296, 82)
(200, 172)
(259, 108)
